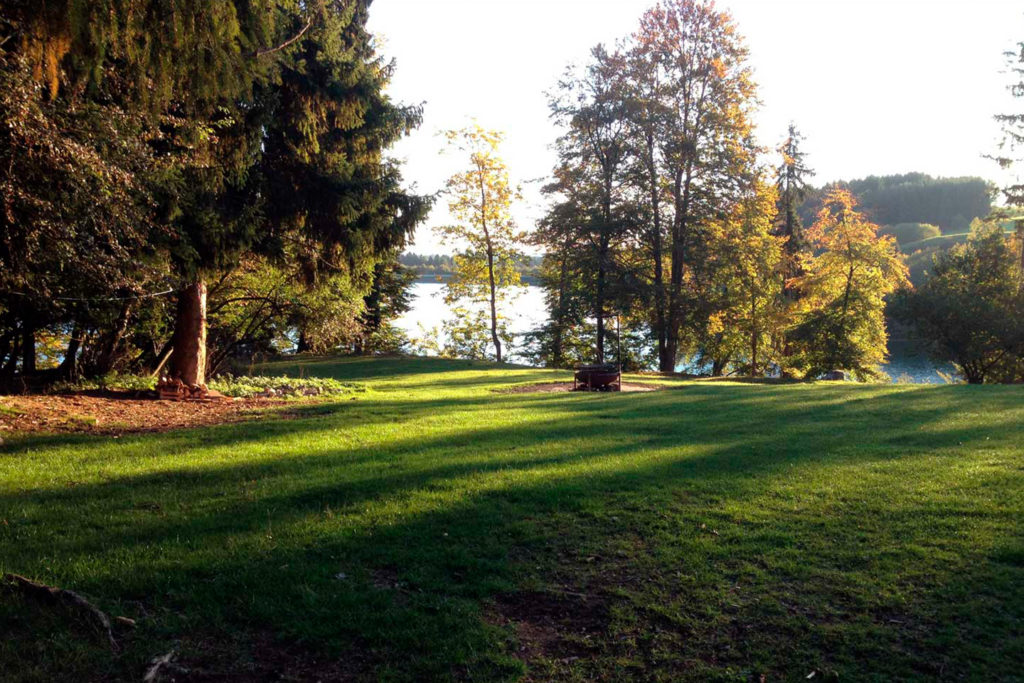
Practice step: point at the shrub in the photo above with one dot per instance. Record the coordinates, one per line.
(111, 380)
(230, 385)
(907, 233)
(970, 311)
(247, 387)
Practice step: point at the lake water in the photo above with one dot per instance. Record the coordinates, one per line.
(528, 312)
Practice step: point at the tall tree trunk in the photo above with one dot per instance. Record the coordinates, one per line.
(599, 303)
(602, 262)
(557, 345)
(680, 226)
(790, 295)
(665, 362)
(188, 359)
(108, 356)
(490, 265)
(494, 301)
(69, 366)
(841, 333)
(28, 349)
(754, 338)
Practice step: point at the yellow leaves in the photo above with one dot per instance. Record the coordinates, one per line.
(838, 223)
(480, 200)
(716, 323)
(45, 45)
(475, 140)
(719, 68)
(481, 197)
(853, 249)
(844, 288)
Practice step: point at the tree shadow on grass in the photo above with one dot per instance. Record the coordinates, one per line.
(383, 367)
(297, 544)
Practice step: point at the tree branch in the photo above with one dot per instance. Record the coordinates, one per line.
(269, 50)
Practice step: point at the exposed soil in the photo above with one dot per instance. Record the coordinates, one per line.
(555, 387)
(260, 658)
(114, 413)
(558, 626)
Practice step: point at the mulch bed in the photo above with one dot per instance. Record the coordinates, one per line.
(115, 413)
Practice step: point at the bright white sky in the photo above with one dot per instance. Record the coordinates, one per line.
(876, 86)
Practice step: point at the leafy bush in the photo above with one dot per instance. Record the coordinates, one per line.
(112, 380)
(969, 312)
(229, 385)
(247, 387)
(907, 233)
(388, 339)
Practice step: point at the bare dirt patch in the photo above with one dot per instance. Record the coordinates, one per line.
(555, 626)
(260, 658)
(556, 387)
(114, 413)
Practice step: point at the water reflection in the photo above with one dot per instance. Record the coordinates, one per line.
(907, 363)
(528, 312)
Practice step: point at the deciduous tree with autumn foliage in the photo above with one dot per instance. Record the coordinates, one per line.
(841, 317)
(480, 200)
(699, 61)
(750, 316)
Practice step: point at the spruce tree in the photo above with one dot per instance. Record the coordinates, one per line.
(791, 190)
(268, 126)
(1011, 147)
(791, 186)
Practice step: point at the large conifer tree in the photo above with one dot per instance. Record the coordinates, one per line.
(267, 124)
(791, 185)
(1011, 148)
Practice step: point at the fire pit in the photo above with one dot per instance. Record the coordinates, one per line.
(597, 378)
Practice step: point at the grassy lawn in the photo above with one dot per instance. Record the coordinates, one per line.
(432, 528)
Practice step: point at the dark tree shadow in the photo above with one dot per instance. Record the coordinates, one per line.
(394, 552)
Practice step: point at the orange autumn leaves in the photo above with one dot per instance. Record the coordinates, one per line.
(841, 316)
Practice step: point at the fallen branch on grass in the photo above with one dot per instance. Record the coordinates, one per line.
(165, 664)
(157, 664)
(53, 595)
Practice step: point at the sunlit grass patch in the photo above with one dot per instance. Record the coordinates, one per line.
(433, 528)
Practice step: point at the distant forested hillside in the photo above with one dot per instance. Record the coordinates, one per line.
(949, 203)
(426, 265)
(441, 266)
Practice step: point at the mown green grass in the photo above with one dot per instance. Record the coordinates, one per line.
(941, 241)
(432, 528)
